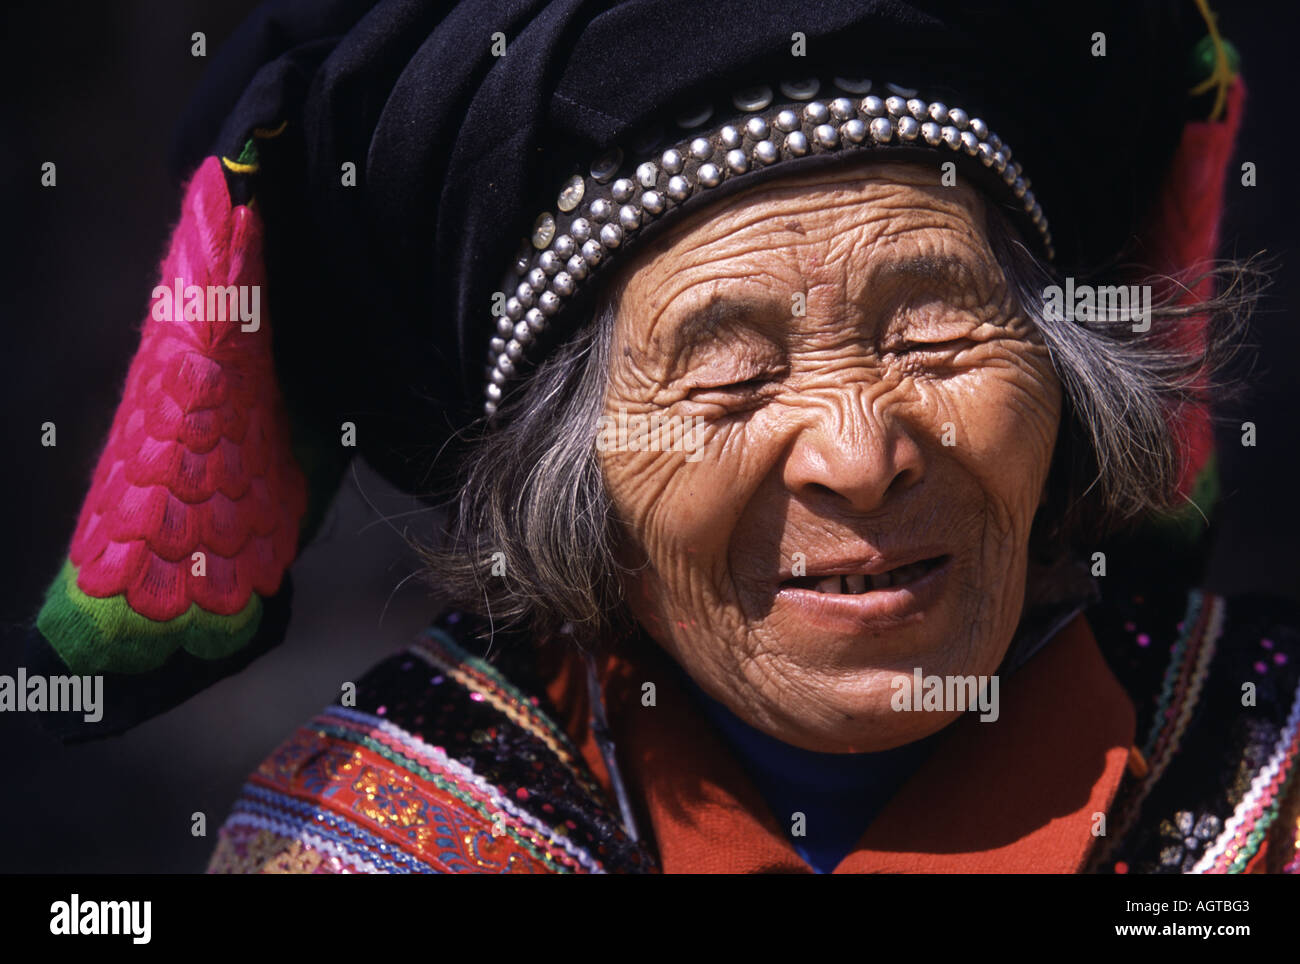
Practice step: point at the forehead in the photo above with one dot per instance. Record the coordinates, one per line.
(843, 226)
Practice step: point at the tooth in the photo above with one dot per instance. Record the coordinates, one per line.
(856, 583)
(829, 584)
(844, 586)
(883, 580)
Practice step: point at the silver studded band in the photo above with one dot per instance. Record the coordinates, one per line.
(598, 215)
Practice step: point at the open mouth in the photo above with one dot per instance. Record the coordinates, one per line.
(853, 584)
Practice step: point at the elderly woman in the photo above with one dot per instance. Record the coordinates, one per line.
(779, 541)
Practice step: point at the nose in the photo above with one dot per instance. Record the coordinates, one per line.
(854, 455)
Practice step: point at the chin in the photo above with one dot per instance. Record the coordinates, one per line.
(856, 722)
(845, 700)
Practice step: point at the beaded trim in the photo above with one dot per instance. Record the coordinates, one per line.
(318, 829)
(596, 216)
(1246, 828)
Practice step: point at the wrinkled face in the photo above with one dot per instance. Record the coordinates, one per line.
(876, 425)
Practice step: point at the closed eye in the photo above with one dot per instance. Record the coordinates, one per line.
(734, 396)
(920, 347)
(748, 385)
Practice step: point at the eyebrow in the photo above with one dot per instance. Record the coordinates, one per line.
(723, 313)
(936, 268)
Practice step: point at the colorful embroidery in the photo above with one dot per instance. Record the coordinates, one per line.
(438, 813)
(1249, 824)
(366, 790)
(1223, 739)
(1179, 691)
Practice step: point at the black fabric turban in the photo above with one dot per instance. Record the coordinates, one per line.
(397, 152)
(382, 292)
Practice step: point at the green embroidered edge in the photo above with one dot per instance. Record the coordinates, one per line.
(94, 635)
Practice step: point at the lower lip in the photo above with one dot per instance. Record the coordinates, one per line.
(868, 610)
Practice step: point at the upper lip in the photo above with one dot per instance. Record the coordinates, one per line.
(869, 564)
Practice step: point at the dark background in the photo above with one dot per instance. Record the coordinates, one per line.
(98, 88)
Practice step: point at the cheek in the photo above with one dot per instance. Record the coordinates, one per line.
(998, 423)
(672, 514)
(679, 516)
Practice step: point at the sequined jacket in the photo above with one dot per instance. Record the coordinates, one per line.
(451, 763)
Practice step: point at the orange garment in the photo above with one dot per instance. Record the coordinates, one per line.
(1022, 794)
